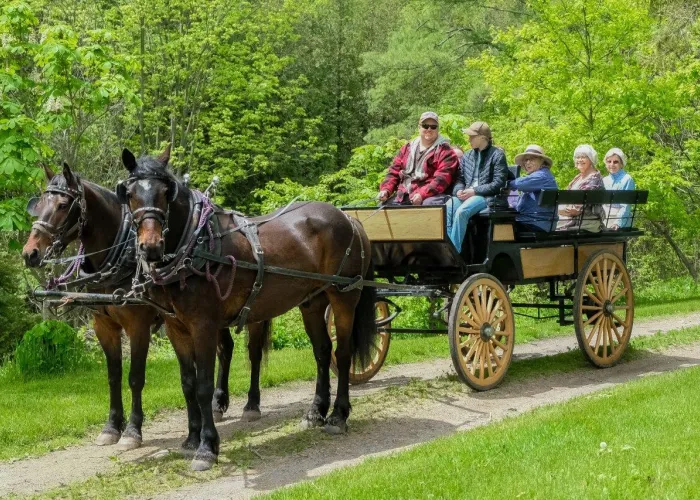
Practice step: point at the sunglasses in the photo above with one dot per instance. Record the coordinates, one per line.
(431, 127)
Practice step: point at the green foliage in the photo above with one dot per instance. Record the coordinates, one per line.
(15, 318)
(49, 348)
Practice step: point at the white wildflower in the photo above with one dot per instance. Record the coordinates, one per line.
(53, 104)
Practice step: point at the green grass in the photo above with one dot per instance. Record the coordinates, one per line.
(280, 438)
(46, 414)
(639, 440)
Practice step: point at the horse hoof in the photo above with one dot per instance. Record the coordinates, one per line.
(310, 423)
(251, 415)
(218, 416)
(187, 452)
(106, 439)
(203, 461)
(128, 443)
(335, 429)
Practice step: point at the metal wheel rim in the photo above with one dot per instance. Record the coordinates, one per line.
(358, 374)
(482, 355)
(605, 309)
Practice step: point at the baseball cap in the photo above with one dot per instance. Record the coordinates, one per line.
(427, 115)
(478, 128)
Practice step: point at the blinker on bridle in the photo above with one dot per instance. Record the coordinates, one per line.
(60, 234)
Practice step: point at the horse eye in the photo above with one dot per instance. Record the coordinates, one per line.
(62, 206)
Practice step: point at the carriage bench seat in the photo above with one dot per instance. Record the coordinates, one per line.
(553, 198)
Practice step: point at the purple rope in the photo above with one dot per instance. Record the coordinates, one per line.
(74, 267)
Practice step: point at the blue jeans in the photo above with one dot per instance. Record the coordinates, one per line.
(458, 214)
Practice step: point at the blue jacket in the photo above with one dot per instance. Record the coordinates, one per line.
(529, 211)
(622, 181)
(488, 166)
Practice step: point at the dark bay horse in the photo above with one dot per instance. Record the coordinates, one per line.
(311, 237)
(71, 209)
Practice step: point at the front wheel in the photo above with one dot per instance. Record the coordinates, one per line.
(481, 330)
(378, 350)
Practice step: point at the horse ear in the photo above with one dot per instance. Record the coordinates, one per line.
(71, 181)
(173, 189)
(31, 207)
(121, 192)
(129, 160)
(164, 157)
(49, 173)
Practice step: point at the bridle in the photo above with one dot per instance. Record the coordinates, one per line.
(150, 212)
(62, 234)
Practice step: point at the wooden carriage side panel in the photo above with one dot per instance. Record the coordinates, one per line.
(585, 251)
(503, 232)
(424, 224)
(552, 261)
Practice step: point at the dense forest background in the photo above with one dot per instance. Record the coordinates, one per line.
(281, 98)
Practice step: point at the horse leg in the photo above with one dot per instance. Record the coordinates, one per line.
(140, 336)
(343, 315)
(315, 325)
(109, 335)
(224, 351)
(258, 334)
(184, 349)
(205, 360)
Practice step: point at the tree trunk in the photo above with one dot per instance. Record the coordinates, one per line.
(661, 229)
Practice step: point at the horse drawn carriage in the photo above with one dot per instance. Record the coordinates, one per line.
(586, 275)
(183, 254)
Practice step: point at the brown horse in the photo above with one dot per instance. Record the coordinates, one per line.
(309, 237)
(71, 209)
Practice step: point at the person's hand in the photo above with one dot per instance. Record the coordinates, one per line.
(615, 227)
(462, 195)
(468, 193)
(570, 212)
(383, 195)
(416, 199)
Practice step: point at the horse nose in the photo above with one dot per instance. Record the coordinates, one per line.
(31, 259)
(152, 253)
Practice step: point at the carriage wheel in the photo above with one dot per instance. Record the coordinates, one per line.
(378, 350)
(603, 308)
(481, 331)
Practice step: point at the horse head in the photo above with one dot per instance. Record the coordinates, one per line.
(60, 215)
(148, 192)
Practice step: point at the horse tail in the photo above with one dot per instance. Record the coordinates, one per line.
(364, 327)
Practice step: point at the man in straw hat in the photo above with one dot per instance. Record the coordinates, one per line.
(482, 174)
(537, 165)
(423, 169)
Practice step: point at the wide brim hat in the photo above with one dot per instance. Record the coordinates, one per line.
(533, 150)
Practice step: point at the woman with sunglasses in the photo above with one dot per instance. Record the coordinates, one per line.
(423, 170)
(482, 174)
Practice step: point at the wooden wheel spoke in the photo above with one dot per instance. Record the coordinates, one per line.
(496, 309)
(598, 335)
(500, 344)
(468, 331)
(596, 326)
(611, 278)
(593, 318)
(594, 298)
(496, 358)
(619, 295)
(617, 318)
(472, 351)
(615, 283)
(483, 291)
(598, 282)
(481, 361)
(604, 281)
(605, 338)
(617, 334)
(471, 304)
(489, 304)
(586, 307)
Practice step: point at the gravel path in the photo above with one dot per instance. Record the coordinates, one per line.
(433, 418)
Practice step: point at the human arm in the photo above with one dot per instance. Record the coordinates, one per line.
(459, 183)
(392, 179)
(500, 175)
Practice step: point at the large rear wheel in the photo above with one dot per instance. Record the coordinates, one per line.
(481, 331)
(603, 309)
(378, 350)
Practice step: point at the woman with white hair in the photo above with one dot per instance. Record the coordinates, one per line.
(585, 217)
(617, 215)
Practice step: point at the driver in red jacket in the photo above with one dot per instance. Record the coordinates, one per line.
(423, 170)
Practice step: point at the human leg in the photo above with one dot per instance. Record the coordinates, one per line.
(461, 217)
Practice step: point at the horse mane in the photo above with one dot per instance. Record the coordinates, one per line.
(153, 168)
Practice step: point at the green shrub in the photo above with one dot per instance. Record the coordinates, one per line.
(15, 317)
(50, 347)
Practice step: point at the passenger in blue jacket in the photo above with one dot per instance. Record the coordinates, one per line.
(531, 216)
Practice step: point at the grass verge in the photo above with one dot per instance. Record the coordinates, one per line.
(638, 440)
(244, 449)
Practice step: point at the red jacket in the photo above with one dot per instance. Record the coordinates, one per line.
(440, 169)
